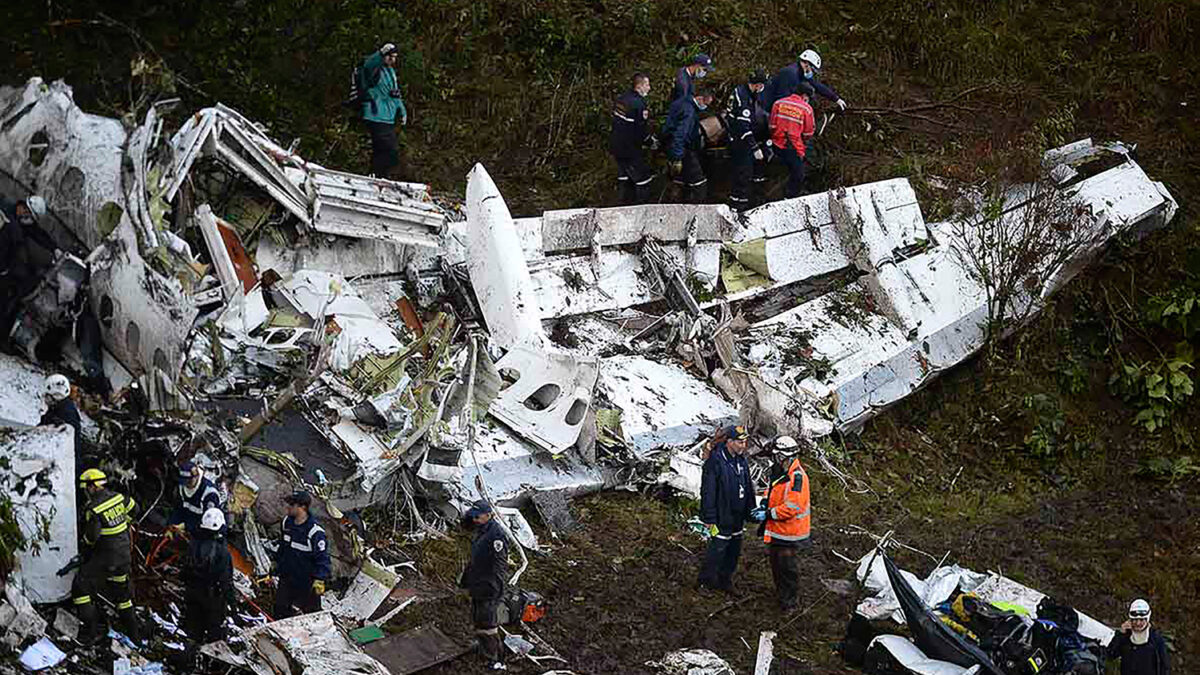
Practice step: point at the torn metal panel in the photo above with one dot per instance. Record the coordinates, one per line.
(582, 228)
(23, 394)
(370, 587)
(574, 285)
(338, 255)
(663, 404)
(144, 317)
(39, 479)
(415, 650)
(373, 208)
(546, 395)
(912, 659)
(217, 252)
(51, 147)
(497, 266)
(362, 333)
(512, 468)
(312, 644)
(876, 221)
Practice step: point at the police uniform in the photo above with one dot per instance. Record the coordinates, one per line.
(193, 504)
(485, 578)
(106, 540)
(630, 134)
(747, 129)
(303, 558)
(726, 500)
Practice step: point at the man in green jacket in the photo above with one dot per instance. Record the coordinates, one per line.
(381, 109)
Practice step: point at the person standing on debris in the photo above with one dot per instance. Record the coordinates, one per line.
(746, 132)
(21, 261)
(786, 519)
(1140, 648)
(792, 129)
(685, 77)
(685, 145)
(381, 109)
(60, 409)
(485, 578)
(807, 68)
(208, 580)
(303, 563)
(197, 495)
(726, 502)
(106, 551)
(629, 137)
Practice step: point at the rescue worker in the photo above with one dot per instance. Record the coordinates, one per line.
(60, 409)
(726, 502)
(685, 77)
(197, 495)
(685, 142)
(25, 252)
(792, 129)
(106, 548)
(747, 129)
(787, 520)
(1140, 648)
(208, 580)
(807, 68)
(485, 578)
(302, 563)
(381, 109)
(630, 135)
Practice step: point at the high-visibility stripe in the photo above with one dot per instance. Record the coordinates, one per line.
(622, 117)
(786, 537)
(647, 181)
(116, 529)
(125, 605)
(113, 501)
(193, 508)
(119, 579)
(731, 536)
(698, 183)
(82, 600)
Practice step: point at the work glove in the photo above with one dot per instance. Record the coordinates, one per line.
(758, 154)
(712, 530)
(389, 47)
(758, 515)
(841, 103)
(319, 587)
(676, 167)
(404, 121)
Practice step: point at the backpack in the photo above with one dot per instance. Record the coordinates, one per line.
(361, 81)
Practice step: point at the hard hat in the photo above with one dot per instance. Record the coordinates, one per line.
(92, 476)
(36, 204)
(58, 387)
(1139, 609)
(812, 57)
(212, 520)
(786, 443)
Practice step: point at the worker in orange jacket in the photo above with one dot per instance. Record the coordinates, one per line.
(788, 520)
(792, 127)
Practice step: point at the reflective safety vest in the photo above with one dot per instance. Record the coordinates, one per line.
(788, 517)
(106, 522)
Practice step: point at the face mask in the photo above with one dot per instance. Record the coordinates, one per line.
(808, 75)
(701, 74)
(701, 106)
(25, 220)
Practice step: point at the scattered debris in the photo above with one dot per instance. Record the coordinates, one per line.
(691, 662)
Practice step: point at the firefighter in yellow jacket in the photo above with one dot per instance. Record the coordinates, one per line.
(788, 520)
(106, 548)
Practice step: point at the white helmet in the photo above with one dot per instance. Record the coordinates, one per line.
(786, 443)
(57, 387)
(1139, 609)
(36, 204)
(213, 520)
(812, 57)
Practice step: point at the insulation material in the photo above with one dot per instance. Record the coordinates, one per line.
(312, 644)
(497, 267)
(39, 478)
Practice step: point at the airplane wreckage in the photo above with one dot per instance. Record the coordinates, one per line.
(283, 323)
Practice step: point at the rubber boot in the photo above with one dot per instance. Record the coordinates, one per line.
(89, 618)
(129, 624)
